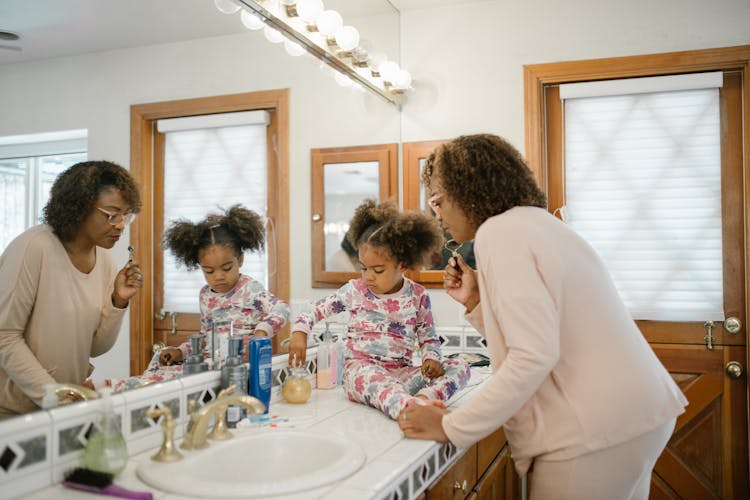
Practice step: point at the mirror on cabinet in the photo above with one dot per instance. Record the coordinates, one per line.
(415, 198)
(341, 178)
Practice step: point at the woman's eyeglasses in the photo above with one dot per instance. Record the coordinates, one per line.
(115, 218)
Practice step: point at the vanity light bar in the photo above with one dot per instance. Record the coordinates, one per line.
(330, 58)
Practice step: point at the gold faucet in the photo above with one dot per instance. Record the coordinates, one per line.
(197, 430)
(168, 452)
(67, 393)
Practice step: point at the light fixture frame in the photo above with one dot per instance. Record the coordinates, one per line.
(329, 58)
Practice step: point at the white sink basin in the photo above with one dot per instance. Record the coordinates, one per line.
(257, 465)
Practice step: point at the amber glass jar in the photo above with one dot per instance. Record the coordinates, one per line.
(297, 388)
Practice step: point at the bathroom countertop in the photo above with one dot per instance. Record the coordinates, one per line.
(391, 458)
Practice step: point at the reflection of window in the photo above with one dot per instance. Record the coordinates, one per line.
(212, 162)
(29, 166)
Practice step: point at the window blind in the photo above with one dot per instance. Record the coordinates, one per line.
(210, 164)
(643, 186)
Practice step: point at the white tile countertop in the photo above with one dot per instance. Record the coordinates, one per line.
(395, 467)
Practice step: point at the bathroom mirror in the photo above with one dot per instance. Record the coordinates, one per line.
(341, 179)
(212, 55)
(415, 198)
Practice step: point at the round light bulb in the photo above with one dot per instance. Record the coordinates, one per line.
(328, 22)
(359, 54)
(388, 71)
(402, 79)
(347, 37)
(272, 35)
(226, 6)
(293, 48)
(288, 2)
(309, 10)
(251, 21)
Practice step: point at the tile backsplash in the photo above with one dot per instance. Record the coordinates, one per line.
(37, 449)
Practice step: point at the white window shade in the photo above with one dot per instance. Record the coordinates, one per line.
(643, 186)
(208, 170)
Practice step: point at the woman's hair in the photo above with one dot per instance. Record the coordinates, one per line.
(239, 228)
(410, 237)
(75, 192)
(484, 175)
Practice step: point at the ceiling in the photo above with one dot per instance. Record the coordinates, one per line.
(56, 28)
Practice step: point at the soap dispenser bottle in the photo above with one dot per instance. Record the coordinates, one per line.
(234, 372)
(194, 362)
(106, 450)
(326, 361)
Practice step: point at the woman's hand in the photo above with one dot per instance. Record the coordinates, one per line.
(127, 283)
(297, 349)
(170, 356)
(432, 368)
(461, 284)
(423, 422)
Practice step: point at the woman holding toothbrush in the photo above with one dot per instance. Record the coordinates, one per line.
(62, 298)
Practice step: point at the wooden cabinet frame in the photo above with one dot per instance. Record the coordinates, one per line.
(386, 155)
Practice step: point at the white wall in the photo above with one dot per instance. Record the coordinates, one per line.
(467, 60)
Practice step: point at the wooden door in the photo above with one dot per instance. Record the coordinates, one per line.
(707, 456)
(147, 326)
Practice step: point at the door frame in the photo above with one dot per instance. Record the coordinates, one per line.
(143, 119)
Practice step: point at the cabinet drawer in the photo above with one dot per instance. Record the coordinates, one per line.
(458, 481)
(488, 448)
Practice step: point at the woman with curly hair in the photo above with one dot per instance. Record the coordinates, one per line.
(62, 298)
(580, 393)
(230, 301)
(387, 315)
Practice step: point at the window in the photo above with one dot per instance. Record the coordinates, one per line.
(212, 162)
(29, 165)
(642, 169)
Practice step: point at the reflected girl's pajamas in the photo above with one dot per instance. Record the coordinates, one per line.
(383, 331)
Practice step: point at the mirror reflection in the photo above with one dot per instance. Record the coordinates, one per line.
(346, 185)
(210, 68)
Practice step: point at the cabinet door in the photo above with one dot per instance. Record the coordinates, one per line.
(457, 482)
(488, 448)
(492, 486)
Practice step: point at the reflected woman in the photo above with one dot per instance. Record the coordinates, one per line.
(62, 298)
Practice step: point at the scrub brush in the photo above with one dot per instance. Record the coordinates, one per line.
(92, 481)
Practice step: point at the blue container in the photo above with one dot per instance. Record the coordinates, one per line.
(259, 380)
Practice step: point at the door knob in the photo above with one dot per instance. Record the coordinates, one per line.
(157, 346)
(733, 369)
(732, 325)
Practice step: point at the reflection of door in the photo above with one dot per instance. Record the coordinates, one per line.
(147, 152)
(707, 456)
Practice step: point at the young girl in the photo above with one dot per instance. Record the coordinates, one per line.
(231, 300)
(387, 314)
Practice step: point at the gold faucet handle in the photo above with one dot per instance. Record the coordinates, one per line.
(220, 431)
(168, 451)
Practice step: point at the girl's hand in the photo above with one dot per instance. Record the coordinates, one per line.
(170, 356)
(432, 368)
(297, 349)
(461, 285)
(127, 282)
(423, 422)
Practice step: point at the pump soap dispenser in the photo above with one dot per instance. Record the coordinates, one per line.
(106, 450)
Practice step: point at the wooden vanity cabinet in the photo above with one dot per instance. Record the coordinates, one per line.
(484, 472)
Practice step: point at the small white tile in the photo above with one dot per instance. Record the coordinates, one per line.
(377, 475)
(28, 439)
